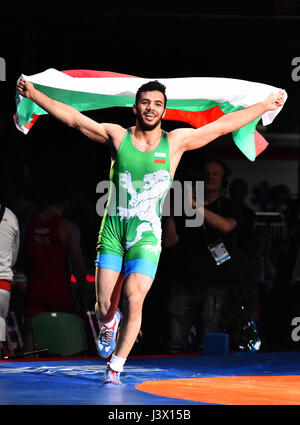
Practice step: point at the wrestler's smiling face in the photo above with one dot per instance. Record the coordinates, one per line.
(150, 109)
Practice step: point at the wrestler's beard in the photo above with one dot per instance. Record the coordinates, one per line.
(144, 126)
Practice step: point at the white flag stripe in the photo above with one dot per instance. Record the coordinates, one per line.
(160, 155)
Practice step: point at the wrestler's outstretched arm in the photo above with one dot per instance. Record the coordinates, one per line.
(189, 139)
(101, 132)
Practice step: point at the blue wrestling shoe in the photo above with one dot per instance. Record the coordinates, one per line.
(111, 376)
(107, 338)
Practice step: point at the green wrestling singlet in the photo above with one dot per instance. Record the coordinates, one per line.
(130, 234)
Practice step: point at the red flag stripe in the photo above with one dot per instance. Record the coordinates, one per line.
(196, 119)
(87, 73)
(260, 143)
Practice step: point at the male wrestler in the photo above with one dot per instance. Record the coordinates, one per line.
(144, 162)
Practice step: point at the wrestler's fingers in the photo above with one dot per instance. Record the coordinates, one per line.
(21, 82)
(279, 101)
(280, 95)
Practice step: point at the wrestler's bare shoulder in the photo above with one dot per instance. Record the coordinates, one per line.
(176, 138)
(177, 134)
(115, 133)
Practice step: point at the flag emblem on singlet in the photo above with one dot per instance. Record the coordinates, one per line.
(159, 158)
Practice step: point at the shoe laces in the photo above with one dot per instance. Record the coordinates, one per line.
(106, 334)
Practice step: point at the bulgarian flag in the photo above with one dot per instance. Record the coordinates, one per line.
(194, 100)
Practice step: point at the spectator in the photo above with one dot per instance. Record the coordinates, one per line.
(53, 252)
(248, 295)
(238, 191)
(9, 246)
(200, 281)
(283, 203)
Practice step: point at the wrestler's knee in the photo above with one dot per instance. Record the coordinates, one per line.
(101, 310)
(135, 291)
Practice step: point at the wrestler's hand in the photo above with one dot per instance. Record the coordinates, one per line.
(25, 88)
(274, 101)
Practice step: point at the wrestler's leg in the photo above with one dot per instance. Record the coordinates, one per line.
(139, 274)
(140, 266)
(108, 291)
(135, 290)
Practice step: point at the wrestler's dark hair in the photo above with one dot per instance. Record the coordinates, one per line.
(151, 86)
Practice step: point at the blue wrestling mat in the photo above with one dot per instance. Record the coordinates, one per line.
(79, 381)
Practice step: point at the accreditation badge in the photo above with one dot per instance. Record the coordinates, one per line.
(219, 252)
